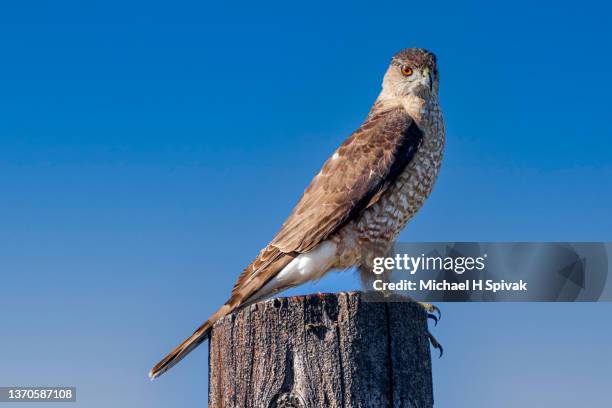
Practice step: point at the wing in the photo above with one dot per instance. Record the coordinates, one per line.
(354, 178)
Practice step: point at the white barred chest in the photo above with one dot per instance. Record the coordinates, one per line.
(374, 232)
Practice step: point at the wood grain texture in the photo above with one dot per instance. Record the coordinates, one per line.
(323, 350)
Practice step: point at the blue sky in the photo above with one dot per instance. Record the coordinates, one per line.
(148, 151)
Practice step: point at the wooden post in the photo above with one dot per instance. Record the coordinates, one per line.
(323, 350)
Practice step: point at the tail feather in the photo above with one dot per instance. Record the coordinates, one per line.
(193, 341)
(252, 279)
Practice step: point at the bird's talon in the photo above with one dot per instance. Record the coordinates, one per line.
(435, 344)
(431, 309)
(437, 310)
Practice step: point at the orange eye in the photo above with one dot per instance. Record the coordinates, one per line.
(406, 70)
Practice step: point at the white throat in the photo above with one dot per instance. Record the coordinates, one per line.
(413, 105)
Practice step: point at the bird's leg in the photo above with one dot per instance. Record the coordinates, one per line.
(368, 278)
(369, 253)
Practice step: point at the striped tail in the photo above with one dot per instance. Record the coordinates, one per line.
(193, 341)
(253, 278)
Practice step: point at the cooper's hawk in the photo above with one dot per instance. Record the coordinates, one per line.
(366, 192)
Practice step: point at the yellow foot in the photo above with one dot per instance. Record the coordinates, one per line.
(431, 311)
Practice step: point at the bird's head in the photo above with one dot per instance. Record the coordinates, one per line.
(412, 71)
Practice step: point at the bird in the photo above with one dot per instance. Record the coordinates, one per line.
(355, 207)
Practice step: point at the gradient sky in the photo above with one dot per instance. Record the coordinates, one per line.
(148, 151)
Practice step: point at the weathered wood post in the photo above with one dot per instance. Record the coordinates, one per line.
(323, 350)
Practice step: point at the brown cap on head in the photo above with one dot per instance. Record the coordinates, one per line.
(418, 57)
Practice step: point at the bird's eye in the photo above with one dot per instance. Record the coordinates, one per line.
(406, 70)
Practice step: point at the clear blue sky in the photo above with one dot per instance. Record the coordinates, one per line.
(148, 151)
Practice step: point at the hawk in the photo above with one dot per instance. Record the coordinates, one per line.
(364, 195)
